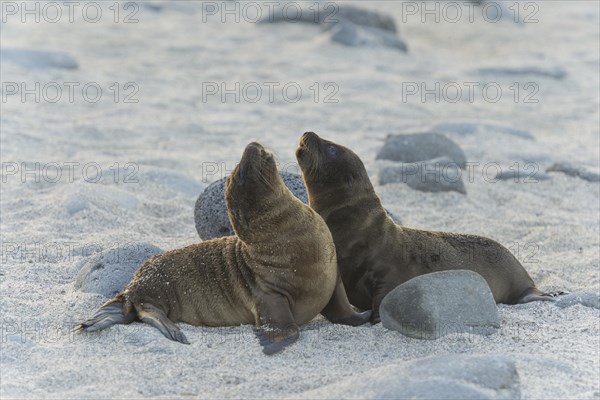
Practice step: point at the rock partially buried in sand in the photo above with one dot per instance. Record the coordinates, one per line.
(411, 148)
(347, 25)
(440, 303)
(578, 171)
(107, 272)
(522, 172)
(437, 175)
(39, 58)
(587, 299)
(329, 14)
(361, 17)
(454, 376)
(210, 212)
(352, 35)
(533, 71)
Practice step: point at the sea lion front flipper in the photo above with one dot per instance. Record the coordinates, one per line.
(534, 294)
(378, 296)
(158, 319)
(276, 326)
(339, 310)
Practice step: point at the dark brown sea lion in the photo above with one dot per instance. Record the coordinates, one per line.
(277, 273)
(375, 255)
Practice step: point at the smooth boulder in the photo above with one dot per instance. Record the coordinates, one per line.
(520, 173)
(210, 212)
(34, 59)
(452, 376)
(329, 14)
(441, 303)
(578, 171)
(411, 148)
(524, 71)
(437, 175)
(347, 25)
(108, 272)
(352, 35)
(586, 299)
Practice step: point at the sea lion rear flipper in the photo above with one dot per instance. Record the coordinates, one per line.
(379, 293)
(276, 326)
(111, 313)
(339, 310)
(157, 318)
(534, 294)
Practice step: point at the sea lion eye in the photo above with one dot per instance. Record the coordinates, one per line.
(332, 151)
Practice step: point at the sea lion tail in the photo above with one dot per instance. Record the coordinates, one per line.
(534, 294)
(113, 312)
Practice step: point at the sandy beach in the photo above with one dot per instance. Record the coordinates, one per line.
(84, 176)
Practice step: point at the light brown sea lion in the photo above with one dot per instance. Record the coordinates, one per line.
(278, 271)
(375, 254)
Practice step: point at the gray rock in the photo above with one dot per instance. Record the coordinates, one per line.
(523, 172)
(329, 14)
(347, 25)
(437, 175)
(352, 35)
(579, 171)
(153, 6)
(499, 10)
(362, 17)
(587, 299)
(441, 303)
(411, 148)
(107, 272)
(39, 58)
(454, 376)
(499, 72)
(210, 212)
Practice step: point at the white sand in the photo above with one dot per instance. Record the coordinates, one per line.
(552, 225)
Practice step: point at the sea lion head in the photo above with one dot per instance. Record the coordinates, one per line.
(253, 187)
(332, 172)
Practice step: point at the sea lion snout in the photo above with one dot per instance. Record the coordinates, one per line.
(252, 150)
(308, 137)
(308, 142)
(255, 152)
(311, 142)
(255, 162)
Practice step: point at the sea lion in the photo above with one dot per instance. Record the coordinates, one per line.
(375, 255)
(278, 271)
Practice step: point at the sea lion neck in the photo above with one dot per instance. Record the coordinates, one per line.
(353, 208)
(255, 219)
(252, 190)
